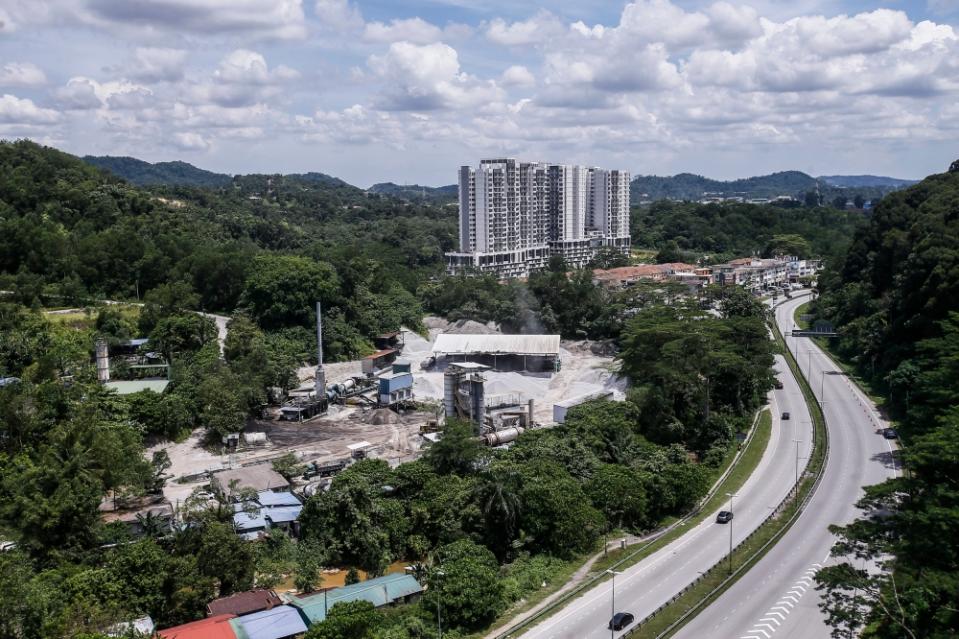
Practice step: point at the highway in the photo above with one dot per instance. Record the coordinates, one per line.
(645, 586)
(777, 597)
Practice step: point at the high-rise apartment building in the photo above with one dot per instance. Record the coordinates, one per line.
(514, 215)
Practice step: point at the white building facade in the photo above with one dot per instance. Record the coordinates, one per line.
(514, 215)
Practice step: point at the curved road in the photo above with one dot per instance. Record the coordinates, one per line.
(777, 597)
(645, 586)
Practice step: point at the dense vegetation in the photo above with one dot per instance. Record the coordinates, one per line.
(497, 523)
(69, 232)
(796, 184)
(415, 192)
(895, 303)
(146, 174)
(684, 230)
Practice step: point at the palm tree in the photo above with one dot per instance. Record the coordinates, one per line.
(153, 525)
(497, 495)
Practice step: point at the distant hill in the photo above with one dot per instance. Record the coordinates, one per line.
(148, 174)
(687, 186)
(416, 192)
(857, 181)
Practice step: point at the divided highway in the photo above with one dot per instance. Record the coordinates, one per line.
(642, 588)
(777, 597)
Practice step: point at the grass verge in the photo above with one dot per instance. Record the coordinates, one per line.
(671, 617)
(738, 474)
(734, 480)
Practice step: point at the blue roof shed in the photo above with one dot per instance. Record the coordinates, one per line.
(280, 622)
(379, 592)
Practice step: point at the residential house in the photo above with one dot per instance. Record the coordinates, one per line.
(244, 603)
(381, 591)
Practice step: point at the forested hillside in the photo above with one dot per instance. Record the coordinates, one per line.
(415, 192)
(728, 230)
(146, 174)
(895, 302)
(795, 184)
(71, 232)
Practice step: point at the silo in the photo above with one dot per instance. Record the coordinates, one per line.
(103, 361)
(451, 381)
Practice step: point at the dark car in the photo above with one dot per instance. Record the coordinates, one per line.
(785, 415)
(724, 517)
(889, 433)
(620, 620)
(778, 384)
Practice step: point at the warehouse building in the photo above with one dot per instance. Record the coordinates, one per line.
(531, 353)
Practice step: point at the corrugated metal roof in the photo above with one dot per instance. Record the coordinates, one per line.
(245, 602)
(455, 344)
(217, 627)
(379, 592)
(276, 623)
(270, 498)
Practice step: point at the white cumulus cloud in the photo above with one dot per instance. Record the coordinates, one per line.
(22, 74)
(14, 110)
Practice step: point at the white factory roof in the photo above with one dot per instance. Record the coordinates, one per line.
(454, 344)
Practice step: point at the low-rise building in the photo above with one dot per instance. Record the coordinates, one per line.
(244, 603)
(270, 510)
(381, 591)
(282, 622)
(260, 477)
(217, 627)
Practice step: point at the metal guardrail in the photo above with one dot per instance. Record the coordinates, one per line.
(652, 537)
(512, 631)
(755, 556)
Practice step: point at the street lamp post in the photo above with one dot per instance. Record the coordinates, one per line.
(612, 602)
(731, 495)
(439, 607)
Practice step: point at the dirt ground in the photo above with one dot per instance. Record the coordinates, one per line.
(324, 438)
(585, 367)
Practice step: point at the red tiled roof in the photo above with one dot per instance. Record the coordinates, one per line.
(243, 603)
(217, 627)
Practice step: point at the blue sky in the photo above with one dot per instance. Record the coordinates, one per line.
(406, 91)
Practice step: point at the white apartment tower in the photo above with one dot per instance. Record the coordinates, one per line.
(514, 215)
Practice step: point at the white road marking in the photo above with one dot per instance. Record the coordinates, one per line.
(778, 613)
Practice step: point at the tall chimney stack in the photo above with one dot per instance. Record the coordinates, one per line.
(319, 385)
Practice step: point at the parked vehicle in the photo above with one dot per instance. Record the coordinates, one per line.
(620, 620)
(890, 433)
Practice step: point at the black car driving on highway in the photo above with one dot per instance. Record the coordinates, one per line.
(620, 620)
(724, 517)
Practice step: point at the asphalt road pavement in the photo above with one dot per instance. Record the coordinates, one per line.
(777, 597)
(642, 588)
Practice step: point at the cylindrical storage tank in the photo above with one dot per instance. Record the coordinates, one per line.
(502, 436)
(348, 386)
(477, 401)
(450, 384)
(103, 361)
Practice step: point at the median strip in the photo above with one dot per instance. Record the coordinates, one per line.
(682, 608)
